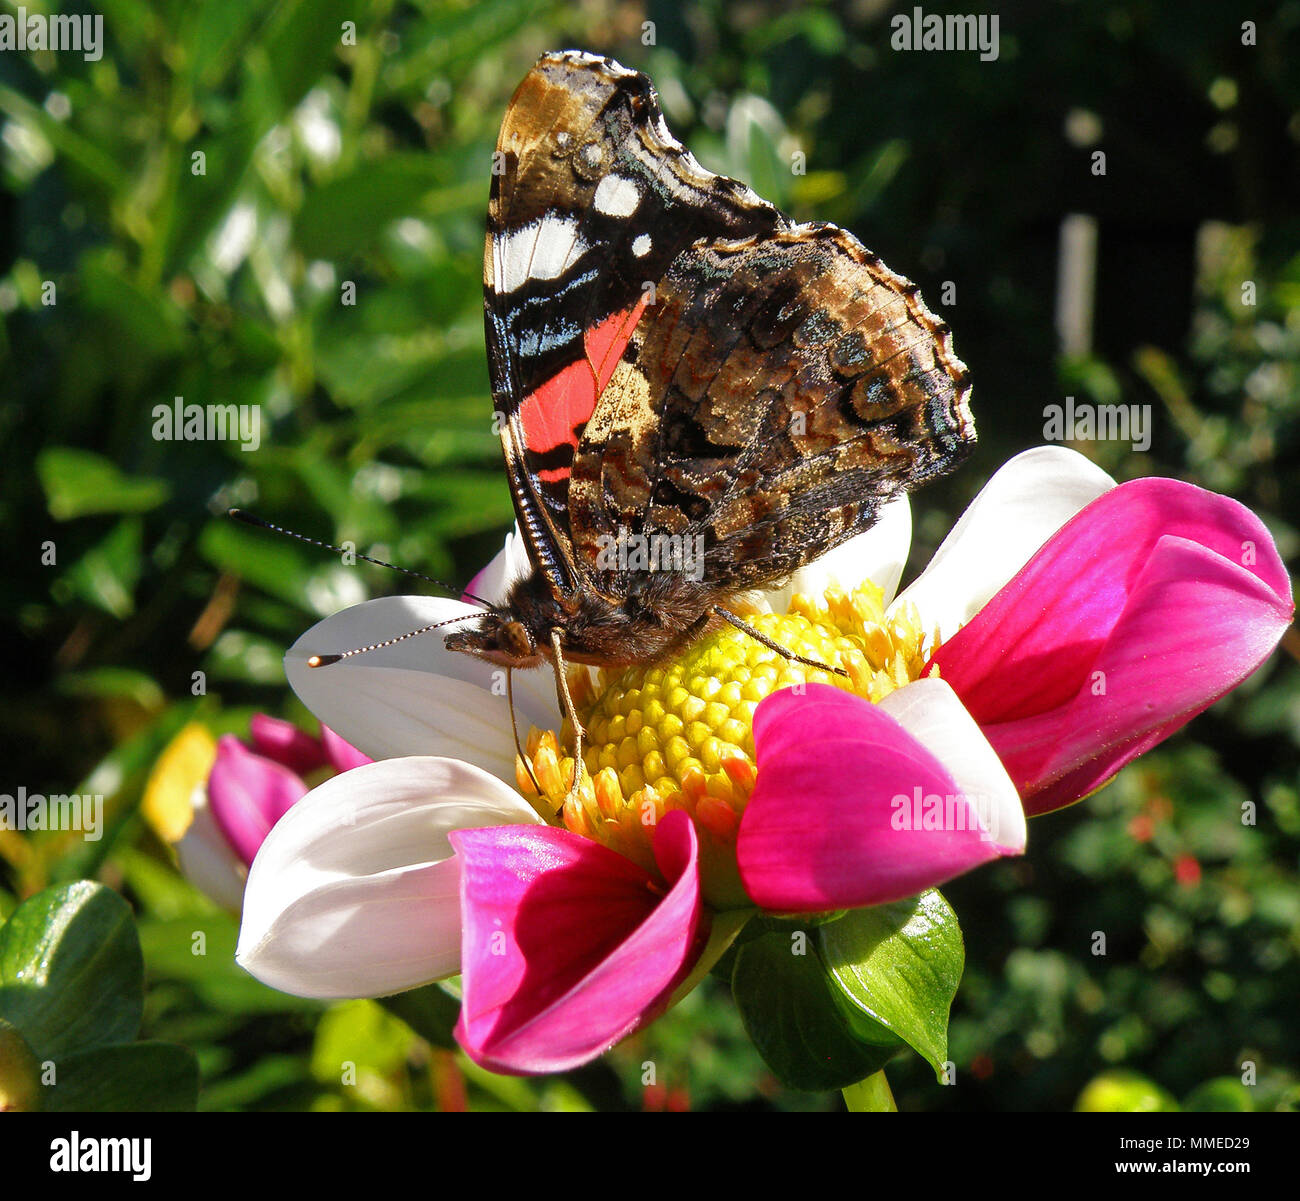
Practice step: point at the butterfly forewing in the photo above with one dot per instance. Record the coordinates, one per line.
(592, 201)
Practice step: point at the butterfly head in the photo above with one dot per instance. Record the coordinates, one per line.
(500, 638)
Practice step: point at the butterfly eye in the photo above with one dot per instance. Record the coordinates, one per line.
(516, 639)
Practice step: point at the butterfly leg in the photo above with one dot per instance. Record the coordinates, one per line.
(570, 711)
(746, 628)
(514, 729)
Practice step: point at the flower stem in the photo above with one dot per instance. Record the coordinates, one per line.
(871, 1095)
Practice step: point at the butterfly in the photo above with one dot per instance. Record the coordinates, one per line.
(680, 372)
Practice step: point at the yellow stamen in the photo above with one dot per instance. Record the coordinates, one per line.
(680, 735)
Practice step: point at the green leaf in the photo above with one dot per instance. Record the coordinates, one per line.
(897, 967)
(144, 320)
(787, 1004)
(360, 1034)
(301, 39)
(71, 973)
(345, 215)
(106, 575)
(1124, 1091)
(1223, 1094)
(110, 683)
(20, 1074)
(431, 1011)
(282, 570)
(145, 1076)
(119, 777)
(175, 952)
(81, 482)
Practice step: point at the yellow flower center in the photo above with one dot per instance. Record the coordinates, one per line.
(680, 735)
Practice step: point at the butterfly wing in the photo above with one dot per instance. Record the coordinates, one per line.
(592, 201)
(781, 389)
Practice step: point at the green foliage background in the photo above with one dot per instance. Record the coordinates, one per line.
(325, 163)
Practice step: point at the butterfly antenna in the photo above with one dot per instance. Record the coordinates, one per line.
(248, 519)
(326, 660)
(784, 652)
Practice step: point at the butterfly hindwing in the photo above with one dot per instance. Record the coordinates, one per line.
(780, 390)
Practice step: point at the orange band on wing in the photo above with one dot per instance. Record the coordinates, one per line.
(553, 415)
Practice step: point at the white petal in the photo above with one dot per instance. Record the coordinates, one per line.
(207, 860)
(356, 890)
(1031, 497)
(416, 697)
(878, 555)
(930, 711)
(510, 563)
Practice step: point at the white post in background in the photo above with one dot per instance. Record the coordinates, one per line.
(1076, 280)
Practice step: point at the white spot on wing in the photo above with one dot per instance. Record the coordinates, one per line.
(543, 249)
(641, 245)
(617, 196)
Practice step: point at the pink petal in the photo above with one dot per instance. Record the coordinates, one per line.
(283, 743)
(342, 755)
(838, 815)
(1159, 670)
(248, 794)
(568, 947)
(1147, 586)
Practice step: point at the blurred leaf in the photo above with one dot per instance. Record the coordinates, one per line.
(145, 319)
(754, 133)
(150, 1077)
(67, 141)
(106, 575)
(20, 1073)
(71, 973)
(239, 655)
(214, 32)
(359, 1035)
(262, 1084)
(461, 32)
(281, 568)
(1124, 1092)
(301, 38)
(107, 683)
(200, 951)
(119, 777)
(431, 1011)
(1226, 1094)
(897, 967)
(367, 368)
(80, 482)
(345, 215)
